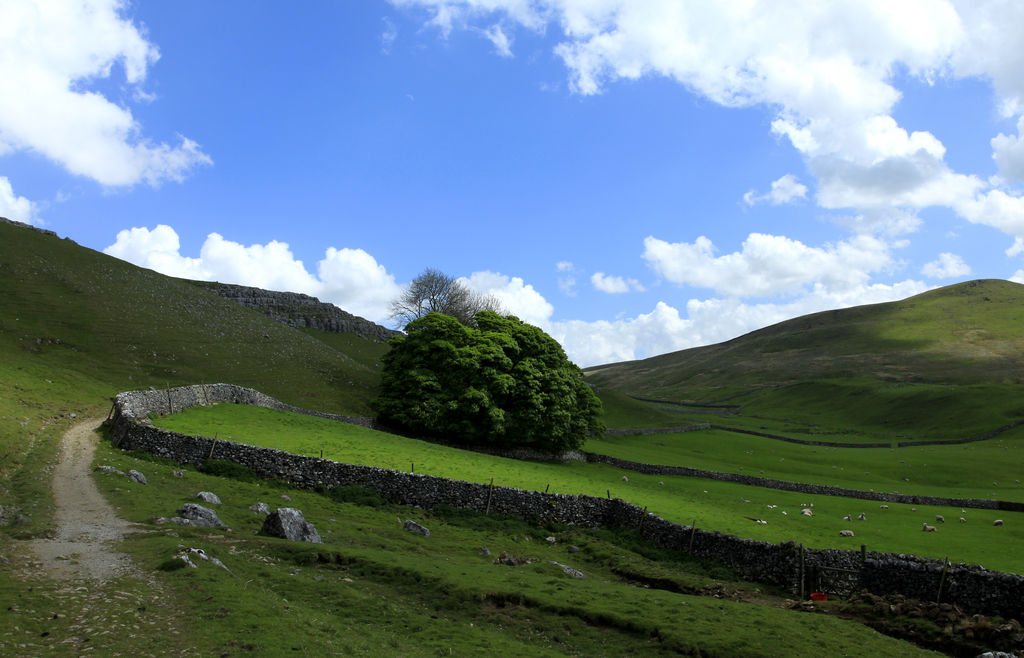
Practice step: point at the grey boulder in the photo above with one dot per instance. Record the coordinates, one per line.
(412, 526)
(208, 497)
(288, 523)
(200, 516)
(260, 508)
(135, 476)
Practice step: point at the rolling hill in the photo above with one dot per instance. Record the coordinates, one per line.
(968, 333)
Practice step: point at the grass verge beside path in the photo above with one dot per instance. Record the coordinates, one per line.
(373, 588)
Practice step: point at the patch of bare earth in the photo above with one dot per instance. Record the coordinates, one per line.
(86, 524)
(80, 594)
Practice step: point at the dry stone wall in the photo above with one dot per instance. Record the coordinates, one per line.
(787, 565)
(816, 489)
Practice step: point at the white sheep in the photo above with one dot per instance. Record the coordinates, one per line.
(883, 507)
(807, 511)
(963, 520)
(847, 518)
(939, 518)
(997, 522)
(846, 533)
(862, 517)
(625, 479)
(928, 528)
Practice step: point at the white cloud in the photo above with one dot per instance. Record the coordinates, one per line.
(388, 36)
(502, 44)
(825, 72)
(520, 298)
(349, 278)
(705, 322)
(614, 284)
(1018, 276)
(947, 266)
(17, 207)
(783, 191)
(768, 264)
(1008, 152)
(567, 281)
(50, 52)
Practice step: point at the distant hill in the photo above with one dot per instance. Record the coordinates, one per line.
(95, 321)
(968, 333)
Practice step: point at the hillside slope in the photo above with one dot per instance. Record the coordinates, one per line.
(969, 333)
(72, 310)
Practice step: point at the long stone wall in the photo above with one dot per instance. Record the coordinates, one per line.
(802, 487)
(787, 565)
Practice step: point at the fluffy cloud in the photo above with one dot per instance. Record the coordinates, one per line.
(17, 207)
(947, 266)
(705, 322)
(520, 298)
(768, 264)
(1008, 152)
(50, 51)
(350, 278)
(783, 191)
(824, 71)
(614, 284)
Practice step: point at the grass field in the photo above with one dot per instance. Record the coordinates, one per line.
(371, 588)
(77, 326)
(713, 505)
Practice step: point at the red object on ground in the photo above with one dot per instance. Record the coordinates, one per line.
(819, 596)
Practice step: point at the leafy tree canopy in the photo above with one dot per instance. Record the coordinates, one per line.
(504, 383)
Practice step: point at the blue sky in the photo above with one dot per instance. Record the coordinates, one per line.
(634, 177)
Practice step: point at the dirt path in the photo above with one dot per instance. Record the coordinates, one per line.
(86, 523)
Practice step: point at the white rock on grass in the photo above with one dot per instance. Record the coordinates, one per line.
(135, 476)
(208, 497)
(260, 508)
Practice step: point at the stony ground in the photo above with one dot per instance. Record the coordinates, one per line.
(80, 595)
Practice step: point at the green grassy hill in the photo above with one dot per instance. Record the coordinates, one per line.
(77, 326)
(946, 364)
(969, 333)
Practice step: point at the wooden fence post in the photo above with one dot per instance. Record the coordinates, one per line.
(693, 531)
(490, 490)
(802, 590)
(942, 579)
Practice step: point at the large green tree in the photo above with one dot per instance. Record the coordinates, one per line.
(504, 383)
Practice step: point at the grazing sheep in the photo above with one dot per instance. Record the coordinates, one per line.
(807, 511)
(928, 528)
(997, 522)
(846, 533)
(625, 479)
(913, 509)
(862, 517)
(847, 518)
(963, 520)
(939, 518)
(883, 507)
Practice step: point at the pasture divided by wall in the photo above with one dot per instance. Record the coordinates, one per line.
(787, 564)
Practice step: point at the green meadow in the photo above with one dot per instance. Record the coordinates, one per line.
(374, 589)
(77, 327)
(726, 507)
